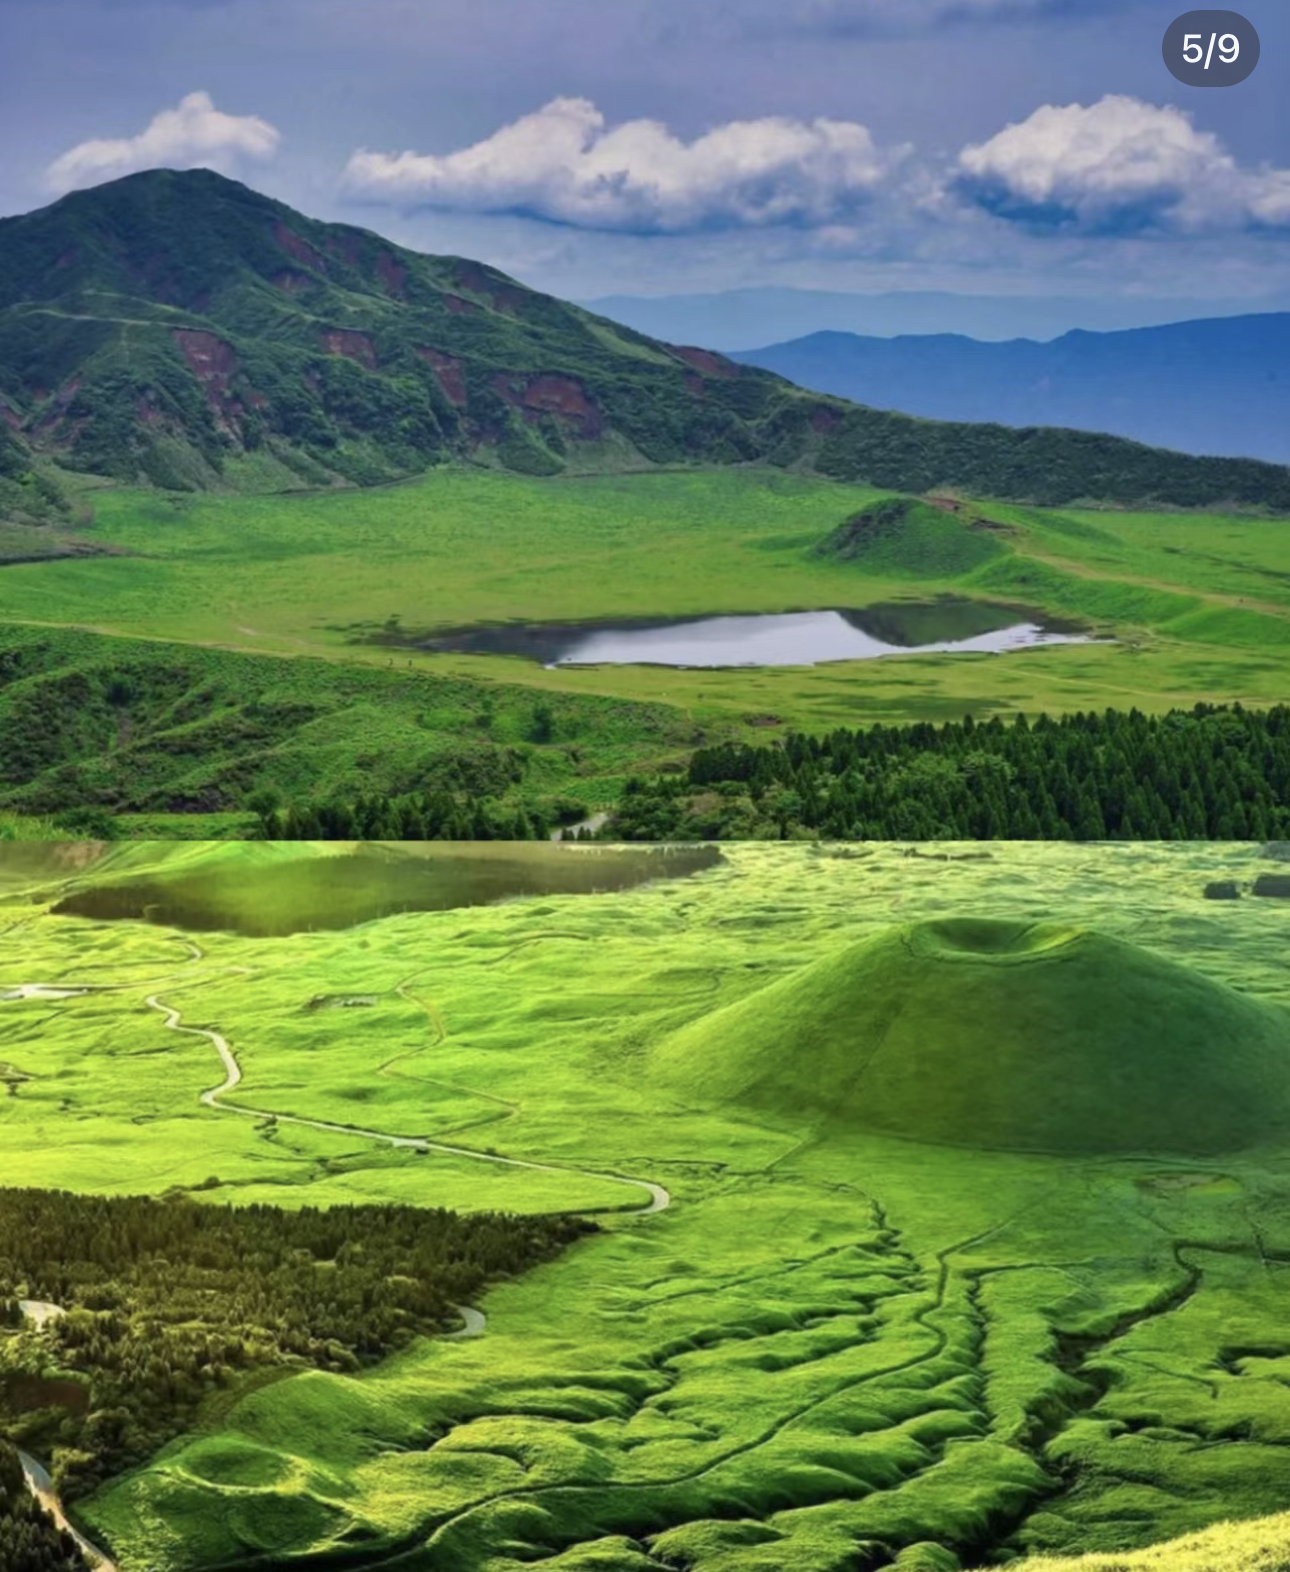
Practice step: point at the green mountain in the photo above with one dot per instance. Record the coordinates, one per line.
(1000, 1035)
(183, 330)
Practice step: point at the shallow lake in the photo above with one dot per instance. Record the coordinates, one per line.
(799, 638)
(308, 893)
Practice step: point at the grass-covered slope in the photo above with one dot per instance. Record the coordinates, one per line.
(1260, 1545)
(180, 328)
(1012, 1036)
(834, 1352)
(169, 1300)
(911, 538)
(124, 725)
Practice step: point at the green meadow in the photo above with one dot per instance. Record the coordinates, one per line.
(1199, 603)
(978, 1162)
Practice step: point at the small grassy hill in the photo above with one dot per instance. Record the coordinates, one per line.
(914, 539)
(1012, 1036)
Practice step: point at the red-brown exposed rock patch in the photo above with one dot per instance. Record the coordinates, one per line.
(209, 358)
(460, 307)
(550, 394)
(566, 398)
(706, 360)
(354, 346)
(297, 247)
(450, 373)
(53, 416)
(214, 363)
(825, 419)
(392, 274)
(501, 296)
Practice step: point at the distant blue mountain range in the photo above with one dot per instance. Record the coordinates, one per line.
(739, 318)
(1219, 385)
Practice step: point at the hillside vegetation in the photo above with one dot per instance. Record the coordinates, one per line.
(202, 697)
(1261, 1545)
(181, 329)
(837, 1349)
(169, 1303)
(913, 539)
(124, 726)
(30, 1541)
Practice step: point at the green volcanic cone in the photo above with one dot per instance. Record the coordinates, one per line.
(1015, 1036)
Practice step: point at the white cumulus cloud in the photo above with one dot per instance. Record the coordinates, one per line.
(1120, 165)
(193, 135)
(566, 165)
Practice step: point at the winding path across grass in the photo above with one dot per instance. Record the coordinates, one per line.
(659, 1198)
(474, 1321)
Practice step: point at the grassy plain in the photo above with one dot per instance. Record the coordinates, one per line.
(1201, 601)
(832, 1339)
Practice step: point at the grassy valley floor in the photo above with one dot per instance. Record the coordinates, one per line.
(839, 1345)
(229, 638)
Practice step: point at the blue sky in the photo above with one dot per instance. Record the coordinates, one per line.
(650, 146)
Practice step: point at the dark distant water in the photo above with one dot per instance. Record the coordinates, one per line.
(340, 891)
(800, 638)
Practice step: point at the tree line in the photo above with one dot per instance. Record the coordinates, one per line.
(30, 1540)
(1215, 772)
(171, 1300)
(416, 816)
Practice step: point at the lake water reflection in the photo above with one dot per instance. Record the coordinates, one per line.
(800, 638)
(376, 880)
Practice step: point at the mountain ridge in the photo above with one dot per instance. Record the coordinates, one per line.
(735, 319)
(182, 330)
(1213, 384)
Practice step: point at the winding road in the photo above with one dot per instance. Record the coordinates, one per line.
(42, 1487)
(474, 1321)
(659, 1198)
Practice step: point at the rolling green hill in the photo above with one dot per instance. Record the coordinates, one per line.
(985, 1034)
(180, 329)
(913, 539)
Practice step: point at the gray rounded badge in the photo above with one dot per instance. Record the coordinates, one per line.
(1211, 48)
